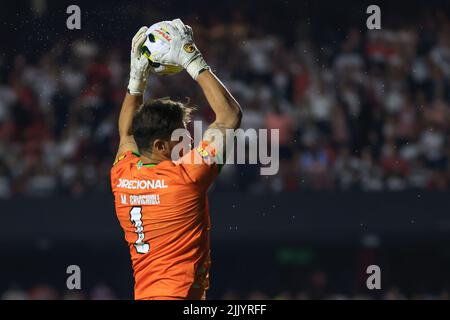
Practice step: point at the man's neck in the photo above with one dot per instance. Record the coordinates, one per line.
(152, 158)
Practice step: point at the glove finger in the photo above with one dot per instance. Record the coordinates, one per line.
(141, 31)
(144, 64)
(138, 39)
(177, 23)
(137, 44)
(189, 31)
(170, 28)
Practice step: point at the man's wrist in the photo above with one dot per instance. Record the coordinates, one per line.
(197, 66)
(136, 87)
(137, 94)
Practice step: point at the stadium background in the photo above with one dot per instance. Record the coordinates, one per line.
(364, 132)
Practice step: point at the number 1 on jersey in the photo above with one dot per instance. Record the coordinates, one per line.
(136, 219)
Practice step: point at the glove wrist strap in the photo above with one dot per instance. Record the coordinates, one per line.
(195, 67)
(136, 87)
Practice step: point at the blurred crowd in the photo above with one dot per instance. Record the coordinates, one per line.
(104, 292)
(48, 292)
(369, 111)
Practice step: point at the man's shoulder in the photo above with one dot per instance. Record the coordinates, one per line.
(126, 157)
(130, 166)
(123, 165)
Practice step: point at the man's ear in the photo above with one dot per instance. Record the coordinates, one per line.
(161, 146)
(158, 145)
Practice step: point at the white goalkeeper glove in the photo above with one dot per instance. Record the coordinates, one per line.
(140, 66)
(183, 51)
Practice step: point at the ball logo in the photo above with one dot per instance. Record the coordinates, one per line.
(164, 34)
(189, 47)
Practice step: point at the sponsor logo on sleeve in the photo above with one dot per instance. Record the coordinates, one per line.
(123, 156)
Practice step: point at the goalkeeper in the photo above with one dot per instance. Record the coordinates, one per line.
(162, 204)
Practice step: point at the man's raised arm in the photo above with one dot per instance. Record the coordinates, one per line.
(139, 71)
(184, 53)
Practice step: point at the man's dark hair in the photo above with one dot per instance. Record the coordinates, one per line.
(158, 119)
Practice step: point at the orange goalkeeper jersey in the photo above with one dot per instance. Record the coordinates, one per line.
(163, 210)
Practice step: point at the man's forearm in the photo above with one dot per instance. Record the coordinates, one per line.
(227, 110)
(129, 107)
(139, 71)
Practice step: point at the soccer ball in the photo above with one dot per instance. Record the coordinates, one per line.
(156, 43)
